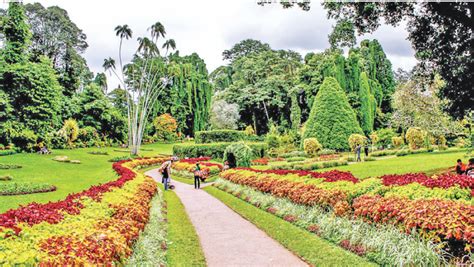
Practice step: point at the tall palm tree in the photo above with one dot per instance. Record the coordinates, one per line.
(170, 43)
(123, 31)
(157, 29)
(109, 63)
(147, 47)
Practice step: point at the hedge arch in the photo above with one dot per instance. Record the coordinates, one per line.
(238, 155)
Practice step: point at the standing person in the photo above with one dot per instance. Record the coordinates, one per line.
(366, 150)
(197, 176)
(358, 148)
(165, 170)
(460, 167)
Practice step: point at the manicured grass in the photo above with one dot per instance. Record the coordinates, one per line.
(68, 178)
(306, 245)
(425, 162)
(184, 248)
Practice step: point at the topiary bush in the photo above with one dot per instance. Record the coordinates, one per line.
(332, 120)
(205, 137)
(415, 137)
(312, 146)
(238, 155)
(356, 139)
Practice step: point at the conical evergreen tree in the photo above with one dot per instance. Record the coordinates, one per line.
(367, 105)
(332, 119)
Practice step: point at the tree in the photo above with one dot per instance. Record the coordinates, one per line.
(165, 127)
(17, 34)
(415, 137)
(332, 119)
(342, 35)
(367, 107)
(245, 48)
(101, 80)
(224, 115)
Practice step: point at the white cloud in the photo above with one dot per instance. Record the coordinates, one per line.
(211, 26)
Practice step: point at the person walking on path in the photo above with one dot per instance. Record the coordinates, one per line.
(358, 148)
(165, 171)
(197, 176)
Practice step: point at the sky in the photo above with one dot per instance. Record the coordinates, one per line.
(208, 27)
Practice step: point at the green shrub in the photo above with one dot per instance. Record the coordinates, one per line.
(7, 152)
(71, 130)
(205, 137)
(214, 150)
(385, 136)
(272, 140)
(356, 139)
(6, 178)
(293, 159)
(397, 141)
(25, 140)
(21, 188)
(382, 153)
(332, 120)
(311, 146)
(99, 152)
(9, 166)
(88, 136)
(415, 137)
(117, 159)
(295, 153)
(240, 152)
(308, 166)
(369, 159)
(326, 151)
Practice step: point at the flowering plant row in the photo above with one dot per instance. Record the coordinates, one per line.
(260, 161)
(441, 181)
(96, 226)
(330, 176)
(189, 165)
(346, 198)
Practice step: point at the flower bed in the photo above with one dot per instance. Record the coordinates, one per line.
(260, 161)
(365, 199)
(95, 226)
(23, 188)
(189, 165)
(441, 181)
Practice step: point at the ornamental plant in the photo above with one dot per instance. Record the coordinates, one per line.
(415, 137)
(397, 141)
(165, 126)
(332, 120)
(312, 146)
(356, 139)
(71, 131)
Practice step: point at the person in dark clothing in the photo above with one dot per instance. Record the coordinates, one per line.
(358, 148)
(165, 170)
(460, 167)
(197, 176)
(366, 150)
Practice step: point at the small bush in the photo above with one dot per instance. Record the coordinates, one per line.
(355, 140)
(415, 137)
(88, 136)
(117, 159)
(6, 178)
(99, 152)
(71, 130)
(326, 151)
(293, 159)
(206, 137)
(369, 159)
(7, 152)
(9, 166)
(240, 152)
(397, 141)
(165, 126)
(312, 146)
(272, 140)
(295, 153)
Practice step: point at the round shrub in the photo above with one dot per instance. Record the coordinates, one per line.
(165, 126)
(397, 141)
(415, 137)
(312, 146)
(331, 120)
(238, 155)
(355, 140)
(374, 138)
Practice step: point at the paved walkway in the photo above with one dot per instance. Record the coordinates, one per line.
(226, 238)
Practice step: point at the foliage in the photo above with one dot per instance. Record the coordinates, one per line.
(214, 150)
(23, 188)
(374, 138)
(71, 130)
(342, 35)
(88, 135)
(311, 146)
(203, 137)
(245, 48)
(332, 119)
(240, 152)
(165, 127)
(385, 136)
(415, 137)
(356, 140)
(397, 141)
(367, 105)
(224, 115)
(9, 166)
(24, 139)
(16, 33)
(249, 130)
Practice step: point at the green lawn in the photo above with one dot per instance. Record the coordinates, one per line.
(68, 178)
(184, 248)
(306, 245)
(398, 165)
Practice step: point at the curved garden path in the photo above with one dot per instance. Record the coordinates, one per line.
(226, 238)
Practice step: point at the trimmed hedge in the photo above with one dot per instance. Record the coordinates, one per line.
(7, 152)
(206, 137)
(214, 150)
(308, 166)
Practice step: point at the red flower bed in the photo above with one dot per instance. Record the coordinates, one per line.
(330, 176)
(442, 181)
(261, 161)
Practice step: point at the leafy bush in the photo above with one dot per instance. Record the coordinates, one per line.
(25, 140)
(311, 146)
(205, 137)
(117, 159)
(214, 150)
(98, 152)
(355, 140)
(326, 151)
(374, 138)
(294, 159)
(71, 131)
(397, 141)
(415, 137)
(88, 136)
(249, 130)
(165, 126)
(385, 136)
(308, 166)
(295, 153)
(7, 152)
(382, 153)
(332, 120)
(272, 140)
(6, 178)
(241, 153)
(57, 139)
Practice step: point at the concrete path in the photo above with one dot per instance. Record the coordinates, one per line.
(226, 238)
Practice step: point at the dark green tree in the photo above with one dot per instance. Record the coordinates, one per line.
(367, 105)
(332, 119)
(16, 33)
(245, 48)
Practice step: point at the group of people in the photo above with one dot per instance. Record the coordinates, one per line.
(468, 169)
(200, 174)
(358, 150)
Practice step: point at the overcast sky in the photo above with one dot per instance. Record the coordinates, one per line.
(208, 27)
